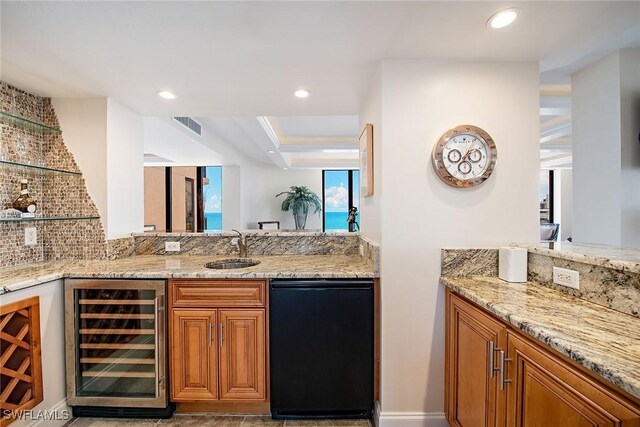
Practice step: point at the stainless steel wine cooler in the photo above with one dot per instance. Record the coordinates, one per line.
(116, 346)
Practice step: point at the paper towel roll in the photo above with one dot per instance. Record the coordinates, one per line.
(512, 264)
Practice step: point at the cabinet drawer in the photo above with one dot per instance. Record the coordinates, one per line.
(218, 293)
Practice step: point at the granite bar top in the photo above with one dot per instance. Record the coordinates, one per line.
(252, 232)
(623, 259)
(602, 340)
(163, 267)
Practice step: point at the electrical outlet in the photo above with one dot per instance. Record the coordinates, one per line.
(30, 236)
(361, 250)
(172, 246)
(566, 277)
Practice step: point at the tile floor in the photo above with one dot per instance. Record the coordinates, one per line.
(207, 420)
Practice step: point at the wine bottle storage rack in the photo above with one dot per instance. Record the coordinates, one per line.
(20, 358)
(116, 354)
(117, 341)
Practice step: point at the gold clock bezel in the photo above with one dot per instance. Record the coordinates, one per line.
(438, 163)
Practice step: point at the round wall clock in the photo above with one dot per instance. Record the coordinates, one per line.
(464, 156)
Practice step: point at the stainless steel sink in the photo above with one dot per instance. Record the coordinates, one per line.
(225, 264)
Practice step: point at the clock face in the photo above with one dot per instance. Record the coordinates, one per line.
(464, 156)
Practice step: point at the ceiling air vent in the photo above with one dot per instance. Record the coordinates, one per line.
(190, 124)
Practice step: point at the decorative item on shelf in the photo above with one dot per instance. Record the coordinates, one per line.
(352, 220)
(464, 156)
(10, 214)
(365, 144)
(25, 203)
(299, 199)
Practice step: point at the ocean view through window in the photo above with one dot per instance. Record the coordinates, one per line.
(340, 193)
(212, 196)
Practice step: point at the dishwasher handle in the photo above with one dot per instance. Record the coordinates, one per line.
(322, 284)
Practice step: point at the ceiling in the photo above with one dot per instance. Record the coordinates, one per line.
(327, 142)
(234, 65)
(246, 58)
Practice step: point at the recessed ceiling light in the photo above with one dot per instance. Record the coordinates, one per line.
(302, 93)
(166, 94)
(285, 168)
(502, 18)
(270, 151)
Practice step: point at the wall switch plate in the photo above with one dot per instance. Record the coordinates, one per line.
(172, 246)
(30, 236)
(566, 277)
(361, 250)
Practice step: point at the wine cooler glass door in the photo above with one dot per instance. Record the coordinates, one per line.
(119, 344)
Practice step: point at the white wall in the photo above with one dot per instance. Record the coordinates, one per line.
(231, 198)
(106, 139)
(84, 129)
(52, 348)
(563, 202)
(370, 209)
(606, 153)
(125, 174)
(595, 106)
(260, 184)
(630, 146)
(420, 214)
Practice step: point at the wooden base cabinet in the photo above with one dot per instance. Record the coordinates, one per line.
(242, 350)
(496, 376)
(472, 340)
(194, 355)
(546, 389)
(218, 354)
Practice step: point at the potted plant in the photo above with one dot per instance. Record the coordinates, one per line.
(299, 200)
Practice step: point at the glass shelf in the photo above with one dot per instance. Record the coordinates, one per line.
(45, 219)
(6, 163)
(20, 122)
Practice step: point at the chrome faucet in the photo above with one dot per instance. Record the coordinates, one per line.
(241, 243)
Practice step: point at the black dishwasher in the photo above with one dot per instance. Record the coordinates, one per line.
(321, 348)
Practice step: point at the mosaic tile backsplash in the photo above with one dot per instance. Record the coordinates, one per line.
(56, 194)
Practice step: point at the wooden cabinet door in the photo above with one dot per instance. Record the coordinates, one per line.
(546, 390)
(242, 354)
(194, 364)
(471, 385)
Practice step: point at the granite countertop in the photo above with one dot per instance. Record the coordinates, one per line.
(249, 232)
(623, 259)
(162, 267)
(602, 340)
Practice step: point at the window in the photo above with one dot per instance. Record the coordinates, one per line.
(212, 197)
(340, 192)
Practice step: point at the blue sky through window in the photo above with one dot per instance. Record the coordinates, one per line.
(212, 195)
(336, 198)
(336, 192)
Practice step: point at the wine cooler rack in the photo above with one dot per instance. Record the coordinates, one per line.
(117, 335)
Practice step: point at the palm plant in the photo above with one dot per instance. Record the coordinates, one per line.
(299, 200)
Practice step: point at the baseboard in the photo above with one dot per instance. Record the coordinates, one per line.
(58, 415)
(376, 414)
(409, 419)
